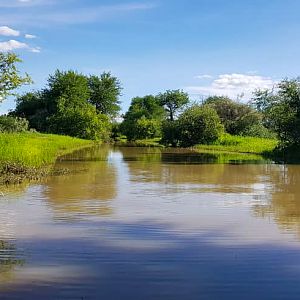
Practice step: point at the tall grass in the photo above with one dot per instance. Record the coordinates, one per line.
(241, 144)
(35, 150)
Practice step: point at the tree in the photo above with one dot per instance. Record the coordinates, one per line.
(32, 106)
(282, 110)
(64, 108)
(173, 101)
(236, 117)
(66, 89)
(104, 93)
(198, 125)
(10, 77)
(144, 116)
(82, 122)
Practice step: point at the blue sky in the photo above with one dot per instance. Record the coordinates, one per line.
(205, 47)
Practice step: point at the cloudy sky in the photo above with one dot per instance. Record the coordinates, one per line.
(206, 47)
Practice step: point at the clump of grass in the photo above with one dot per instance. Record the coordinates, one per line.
(27, 155)
(241, 144)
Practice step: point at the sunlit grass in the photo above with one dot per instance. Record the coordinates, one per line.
(34, 149)
(241, 144)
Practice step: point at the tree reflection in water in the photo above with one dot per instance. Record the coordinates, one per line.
(282, 198)
(9, 260)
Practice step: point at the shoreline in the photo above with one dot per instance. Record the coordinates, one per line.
(30, 156)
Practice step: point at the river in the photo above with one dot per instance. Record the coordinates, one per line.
(145, 223)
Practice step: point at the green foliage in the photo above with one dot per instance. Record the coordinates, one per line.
(143, 119)
(281, 109)
(11, 124)
(32, 106)
(105, 92)
(81, 122)
(148, 128)
(66, 90)
(10, 77)
(170, 133)
(240, 144)
(64, 108)
(199, 125)
(237, 118)
(173, 101)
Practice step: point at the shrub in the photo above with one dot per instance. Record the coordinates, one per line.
(199, 125)
(11, 124)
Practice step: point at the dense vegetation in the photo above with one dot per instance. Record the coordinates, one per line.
(73, 104)
(87, 106)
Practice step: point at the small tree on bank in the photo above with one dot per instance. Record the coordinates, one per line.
(10, 77)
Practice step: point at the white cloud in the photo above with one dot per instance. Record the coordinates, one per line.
(233, 85)
(12, 45)
(35, 50)
(15, 45)
(30, 36)
(204, 76)
(7, 31)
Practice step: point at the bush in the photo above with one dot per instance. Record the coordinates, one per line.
(10, 124)
(199, 125)
(236, 117)
(258, 130)
(83, 123)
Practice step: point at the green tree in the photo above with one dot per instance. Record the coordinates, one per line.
(10, 77)
(82, 122)
(104, 93)
(199, 125)
(282, 110)
(32, 106)
(64, 108)
(143, 116)
(173, 101)
(237, 118)
(66, 89)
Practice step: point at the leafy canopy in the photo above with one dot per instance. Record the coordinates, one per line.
(10, 78)
(173, 101)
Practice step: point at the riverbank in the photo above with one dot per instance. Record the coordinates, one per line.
(226, 143)
(30, 155)
(241, 144)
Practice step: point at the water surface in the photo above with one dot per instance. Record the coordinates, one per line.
(145, 223)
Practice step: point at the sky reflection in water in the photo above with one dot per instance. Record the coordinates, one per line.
(132, 223)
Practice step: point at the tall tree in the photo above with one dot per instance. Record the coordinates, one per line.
(10, 77)
(105, 92)
(173, 101)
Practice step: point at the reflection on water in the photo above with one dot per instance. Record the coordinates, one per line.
(9, 260)
(89, 187)
(284, 199)
(134, 223)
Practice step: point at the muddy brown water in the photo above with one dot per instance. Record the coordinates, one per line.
(142, 223)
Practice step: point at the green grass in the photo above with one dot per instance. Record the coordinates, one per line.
(240, 144)
(34, 149)
(140, 143)
(29, 155)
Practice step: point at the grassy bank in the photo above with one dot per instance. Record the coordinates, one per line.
(240, 144)
(29, 155)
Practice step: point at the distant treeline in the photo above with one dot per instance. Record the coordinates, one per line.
(88, 106)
